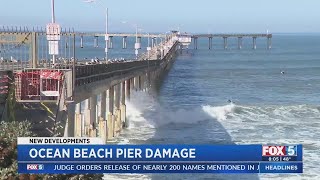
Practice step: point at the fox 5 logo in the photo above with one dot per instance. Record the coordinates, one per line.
(279, 150)
(35, 166)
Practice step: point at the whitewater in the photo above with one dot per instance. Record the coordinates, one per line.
(244, 124)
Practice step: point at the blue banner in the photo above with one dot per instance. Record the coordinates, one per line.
(80, 159)
(142, 168)
(159, 153)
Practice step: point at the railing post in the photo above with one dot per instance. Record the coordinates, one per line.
(34, 51)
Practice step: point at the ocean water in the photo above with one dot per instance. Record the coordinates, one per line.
(191, 107)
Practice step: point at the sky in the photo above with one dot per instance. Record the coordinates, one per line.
(194, 16)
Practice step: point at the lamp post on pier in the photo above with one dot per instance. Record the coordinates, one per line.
(52, 12)
(106, 36)
(137, 44)
(53, 35)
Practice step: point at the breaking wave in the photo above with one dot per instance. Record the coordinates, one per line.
(295, 124)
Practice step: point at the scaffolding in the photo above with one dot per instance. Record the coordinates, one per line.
(27, 54)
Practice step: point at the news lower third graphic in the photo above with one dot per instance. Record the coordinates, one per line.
(90, 155)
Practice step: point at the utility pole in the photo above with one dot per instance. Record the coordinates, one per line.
(106, 37)
(53, 20)
(52, 12)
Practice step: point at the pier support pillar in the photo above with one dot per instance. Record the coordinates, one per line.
(102, 117)
(81, 41)
(124, 121)
(118, 124)
(239, 42)
(145, 79)
(254, 39)
(269, 42)
(128, 83)
(142, 82)
(225, 42)
(103, 130)
(152, 42)
(139, 83)
(78, 122)
(148, 79)
(93, 116)
(70, 120)
(131, 83)
(111, 118)
(210, 42)
(96, 42)
(195, 42)
(124, 42)
(86, 117)
(103, 105)
(136, 83)
(110, 42)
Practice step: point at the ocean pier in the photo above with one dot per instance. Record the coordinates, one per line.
(71, 91)
(85, 97)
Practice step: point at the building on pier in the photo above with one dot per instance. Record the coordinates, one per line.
(184, 39)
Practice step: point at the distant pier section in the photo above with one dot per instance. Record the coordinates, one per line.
(226, 36)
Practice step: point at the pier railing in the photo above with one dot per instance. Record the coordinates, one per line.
(90, 73)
